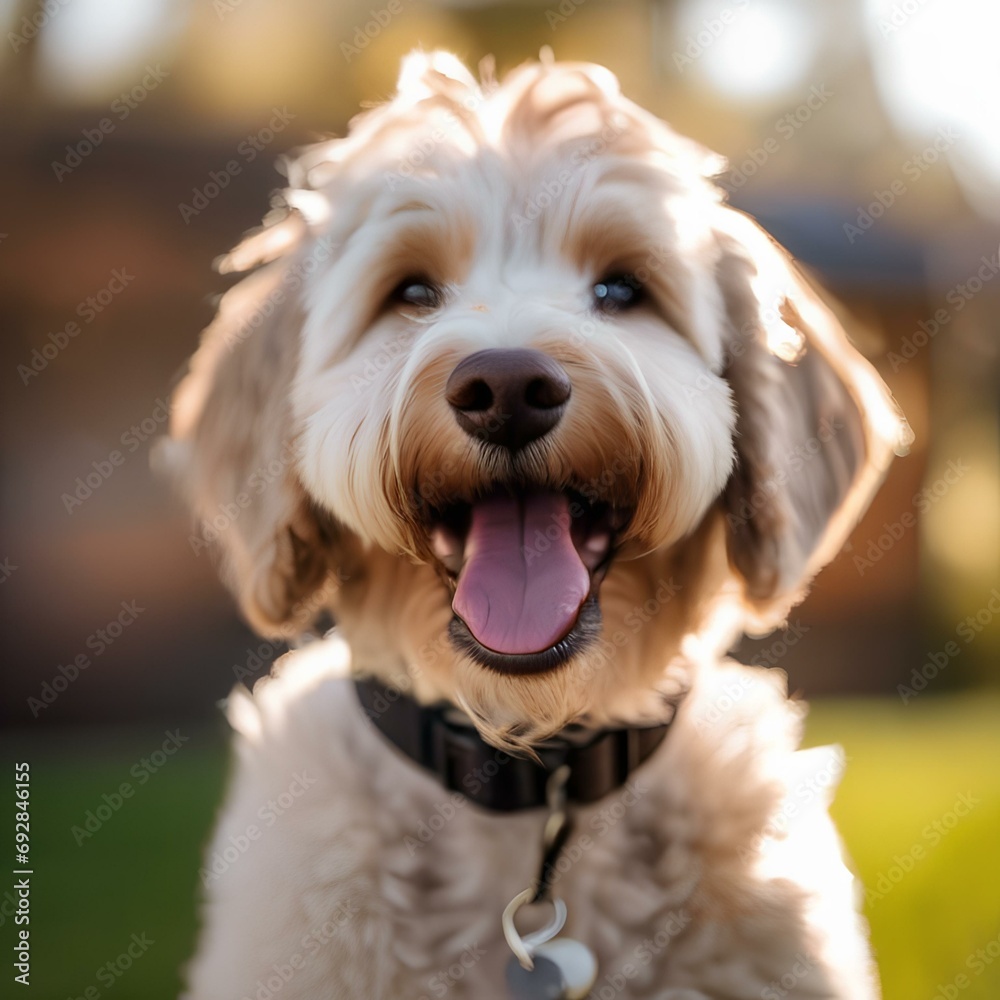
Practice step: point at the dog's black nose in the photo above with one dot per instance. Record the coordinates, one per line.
(509, 397)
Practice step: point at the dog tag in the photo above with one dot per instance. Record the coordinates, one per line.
(543, 981)
(544, 965)
(576, 963)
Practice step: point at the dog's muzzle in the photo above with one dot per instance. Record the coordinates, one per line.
(526, 556)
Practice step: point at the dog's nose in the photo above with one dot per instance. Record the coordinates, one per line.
(509, 397)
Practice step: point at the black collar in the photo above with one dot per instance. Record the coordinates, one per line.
(442, 740)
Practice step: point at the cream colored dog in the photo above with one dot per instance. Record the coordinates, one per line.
(545, 425)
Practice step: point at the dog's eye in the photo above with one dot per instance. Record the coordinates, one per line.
(616, 292)
(417, 292)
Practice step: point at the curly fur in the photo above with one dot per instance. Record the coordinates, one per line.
(730, 414)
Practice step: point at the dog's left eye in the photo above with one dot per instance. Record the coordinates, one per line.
(417, 292)
(616, 292)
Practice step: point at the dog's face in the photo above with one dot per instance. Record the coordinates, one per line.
(524, 401)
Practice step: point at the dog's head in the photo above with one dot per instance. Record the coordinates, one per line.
(523, 401)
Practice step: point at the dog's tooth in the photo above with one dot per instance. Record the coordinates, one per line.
(598, 544)
(446, 547)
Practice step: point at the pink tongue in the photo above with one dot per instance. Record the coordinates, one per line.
(522, 584)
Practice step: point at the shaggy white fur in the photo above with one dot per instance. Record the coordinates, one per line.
(715, 873)
(720, 440)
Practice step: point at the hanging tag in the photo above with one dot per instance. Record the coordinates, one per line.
(576, 963)
(543, 965)
(543, 981)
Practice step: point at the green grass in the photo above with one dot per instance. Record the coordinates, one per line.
(907, 768)
(138, 873)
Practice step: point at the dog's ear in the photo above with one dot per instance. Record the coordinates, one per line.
(233, 452)
(816, 426)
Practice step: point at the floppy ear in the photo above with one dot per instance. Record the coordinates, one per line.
(816, 426)
(233, 451)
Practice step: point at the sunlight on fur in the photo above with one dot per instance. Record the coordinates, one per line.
(524, 196)
(703, 440)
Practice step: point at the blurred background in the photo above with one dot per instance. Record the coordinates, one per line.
(139, 140)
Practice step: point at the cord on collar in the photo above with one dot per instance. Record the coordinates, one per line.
(442, 740)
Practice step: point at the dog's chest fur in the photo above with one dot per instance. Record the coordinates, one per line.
(342, 870)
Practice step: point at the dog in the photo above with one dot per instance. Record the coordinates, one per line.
(544, 425)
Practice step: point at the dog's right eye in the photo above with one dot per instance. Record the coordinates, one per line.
(617, 292)
(417, 292)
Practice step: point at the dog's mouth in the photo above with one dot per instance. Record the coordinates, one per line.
(526, 568)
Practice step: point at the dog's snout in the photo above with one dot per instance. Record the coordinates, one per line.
(508, 397)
